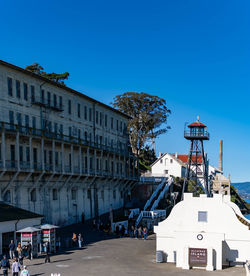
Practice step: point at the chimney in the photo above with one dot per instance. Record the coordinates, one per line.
(176, 155)
(221, 156)
(160, 154)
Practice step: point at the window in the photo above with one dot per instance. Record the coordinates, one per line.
(10, 92)
(42, 96)
(101, 118)
(19, 119)
(102, 194)
(61, 129)
(85, 112)
(25, 91)
(33, 195)
(86, 162)
(120, 126)
(21, 153)
(49, 98)
(32, 91)
(117, 125)
(34, 122)
(171, 161)
(112, 123)
(161, 161)
(166, 171)
(73, 194)
(114, 194)
(106, 165)
(55, 100)
(56, 158)
(79, 110)
(54, 194)
(69, 106)
(18, 91)
(97, 164)
(50, 157)
(45, 156)
(91, 163)
(90, 137)
(11, 117)
(60, 102)
(89, 194)
(202, 216)
(106, 120)
(90, 114)
(85, 135)
(28, 154)
(55, 128)
(70, 131)
(96, 117)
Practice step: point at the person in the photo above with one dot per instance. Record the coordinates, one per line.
(19, 253)
(94, 224)
(132, 231)
(80, 240)
(25, 271)
(12, 249)
(15, 267)
(123, 231)
(145, 233)
(5, 265)
(47, 258)
(29, 250)
(139, 232)
(136, 232)
(74, 240)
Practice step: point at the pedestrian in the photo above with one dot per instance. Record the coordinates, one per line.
(47, 258)
(74, 240)
(15, 267)
(25, 271)
(145, 233)
(29, 250)
(19, 254)
(80, 240)
(94, 224)
(12, 249)
(5, 265)
(136, 232)
(132, 231)
(123, 231)
(139, 232)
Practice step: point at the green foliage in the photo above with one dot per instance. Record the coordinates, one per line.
(39, 70)
(194, 188)
(149, 117)
(147, 156)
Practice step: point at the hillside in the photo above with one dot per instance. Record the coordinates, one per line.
(243, 189)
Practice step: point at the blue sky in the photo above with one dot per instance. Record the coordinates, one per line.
(194, 54)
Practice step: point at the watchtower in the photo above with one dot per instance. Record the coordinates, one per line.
(197, 165)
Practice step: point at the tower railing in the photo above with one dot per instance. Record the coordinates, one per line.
(196, 134)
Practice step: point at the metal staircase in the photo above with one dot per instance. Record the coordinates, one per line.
(150, 212)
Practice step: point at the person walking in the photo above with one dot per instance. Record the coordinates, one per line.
(19, 251)
(15, 267)
(47, 258)
(80, 240)
(140, 232)
(145, 233)
(12, 249)
(5, 265)
(25, 271)
(29, 250)
(74, 240)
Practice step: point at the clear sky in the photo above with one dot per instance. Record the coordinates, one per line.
(193, 53)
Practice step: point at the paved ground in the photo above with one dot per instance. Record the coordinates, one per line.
(115, 257)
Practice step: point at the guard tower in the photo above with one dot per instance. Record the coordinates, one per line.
(197, 165)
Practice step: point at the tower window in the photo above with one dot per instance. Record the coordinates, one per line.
(202, 216)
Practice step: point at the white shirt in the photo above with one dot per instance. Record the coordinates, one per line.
(15, 267)
(25, 272)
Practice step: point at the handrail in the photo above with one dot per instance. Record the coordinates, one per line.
(159, 187)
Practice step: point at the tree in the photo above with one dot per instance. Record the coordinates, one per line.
(148, 114)
(38, 69)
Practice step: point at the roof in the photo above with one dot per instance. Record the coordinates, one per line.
(184, 158)
(173, 156)
(29, 229)
(14, 67)
(48, 226)
(9, 212)
(197, 124)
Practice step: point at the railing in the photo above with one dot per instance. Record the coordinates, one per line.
(25, 130)
(161, 214)
(160, 197)
(159, 187)
(48, 104)
(133, 212)
(196, 134)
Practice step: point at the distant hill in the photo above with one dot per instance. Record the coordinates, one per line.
(243, 189)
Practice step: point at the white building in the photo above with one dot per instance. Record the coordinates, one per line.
(175, 165)
(62, 153)
(212, 227)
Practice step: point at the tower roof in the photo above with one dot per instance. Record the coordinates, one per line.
(197, 124)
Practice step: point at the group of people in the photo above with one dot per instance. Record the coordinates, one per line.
(139, 232)
(16, 267)
(20, 251)
(77, 241)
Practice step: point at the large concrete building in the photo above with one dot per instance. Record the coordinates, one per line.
(62, 153)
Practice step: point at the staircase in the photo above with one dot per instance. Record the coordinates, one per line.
(150, 212)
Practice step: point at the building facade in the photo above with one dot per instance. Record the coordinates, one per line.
(63, 154)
